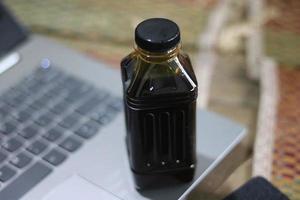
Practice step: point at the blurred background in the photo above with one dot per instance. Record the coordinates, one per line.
(245, 54)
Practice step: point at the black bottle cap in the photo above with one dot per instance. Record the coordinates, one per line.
(157, 35)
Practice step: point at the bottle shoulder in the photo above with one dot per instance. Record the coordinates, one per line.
(172, 78)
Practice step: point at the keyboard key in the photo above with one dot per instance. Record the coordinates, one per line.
(70, 144)
(60, 107)
(55, 157)
(70, 121)
(35, 88)
(107, 118)
(115, 104)
(6, 173)
(55, 92)
(88, 129)
(99, 113)
(38, 104)
(53, 134)
(28, 83)
(37, 147)
(12, 144)
(45, 100)
(22, 116)
(29, 132)
(3, 157)
(21, 160)
(8, 127)
(45, 119)
(79, 93)
(5, 110)
(89, 105)
(72, 82)
(48, 75)
(10, 93)
(25, 182)
(30, 111)
(103, 115)
(16, 99)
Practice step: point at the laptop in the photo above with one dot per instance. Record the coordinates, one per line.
(61, 121)
(53, 102)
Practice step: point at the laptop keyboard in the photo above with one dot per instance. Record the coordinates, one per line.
(44, 119)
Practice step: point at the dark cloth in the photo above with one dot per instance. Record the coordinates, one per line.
(257, 189)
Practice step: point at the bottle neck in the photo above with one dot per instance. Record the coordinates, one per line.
(157, 57)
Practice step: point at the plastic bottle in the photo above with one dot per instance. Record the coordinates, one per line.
(160, 91)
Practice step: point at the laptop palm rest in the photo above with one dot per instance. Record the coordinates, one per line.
(78, 188)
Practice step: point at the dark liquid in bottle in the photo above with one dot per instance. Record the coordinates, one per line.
(160, 117)
(160, 94)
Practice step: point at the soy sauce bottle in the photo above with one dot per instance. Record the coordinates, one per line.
(160, 91)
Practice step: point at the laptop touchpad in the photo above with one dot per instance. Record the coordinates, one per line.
(78, 188)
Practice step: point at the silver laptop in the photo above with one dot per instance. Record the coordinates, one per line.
(61, 116)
